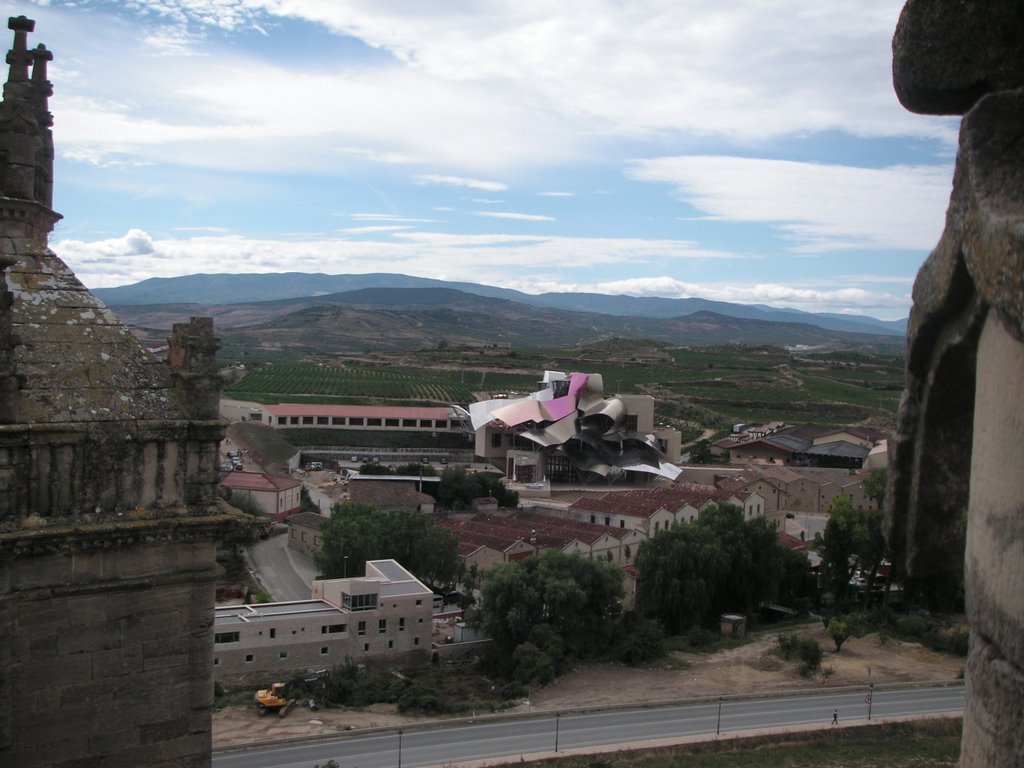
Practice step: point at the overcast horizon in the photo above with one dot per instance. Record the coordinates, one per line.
(751, 152)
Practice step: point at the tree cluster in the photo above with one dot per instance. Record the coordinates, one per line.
(692, 573)
(409, 469)
(548, 611)
(356, 533)
(458, 488)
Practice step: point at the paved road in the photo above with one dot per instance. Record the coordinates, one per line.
(544, 734)
(284, 573)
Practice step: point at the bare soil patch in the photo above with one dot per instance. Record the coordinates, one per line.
(749, 669)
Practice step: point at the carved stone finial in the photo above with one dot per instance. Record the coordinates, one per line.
(192, 358)
(18, 57)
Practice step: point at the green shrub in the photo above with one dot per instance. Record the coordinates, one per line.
(912, 626)
(809, 653)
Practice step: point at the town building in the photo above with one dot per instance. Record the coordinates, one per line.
(383, 616)
(279, 497)
(387, 418)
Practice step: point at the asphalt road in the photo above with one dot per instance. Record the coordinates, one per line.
(446, 745)
(285, 574)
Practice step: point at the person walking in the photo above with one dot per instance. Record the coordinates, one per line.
(835, 717)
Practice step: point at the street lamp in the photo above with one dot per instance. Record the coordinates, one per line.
(558, 716)
(718, 728)
(344, 567)
(399, 748)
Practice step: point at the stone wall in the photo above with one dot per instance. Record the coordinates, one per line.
(106, 657)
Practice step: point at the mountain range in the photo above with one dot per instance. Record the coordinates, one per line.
(391, 311)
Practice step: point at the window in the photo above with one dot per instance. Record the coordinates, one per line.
(366, 647)
(323, 650)
(425, 423)
(273, 633)
(382, 626)
(248, 658)
(631, 423)
(333, 629)
(401, 624)
(321, 420)
(293, 420)
(607, 520)
(361, 628)
(282, 655)
(496, 440)
(440, 424)
(415, 641)
(390, 422)
(593, 518)
(359, 602)
(391, 643)
(409, 423)
(307, 419)
(216, 661)
(355, 421)
(622, 523)
(373, 422)
(338, 421)
(419, 602)
(225, 637)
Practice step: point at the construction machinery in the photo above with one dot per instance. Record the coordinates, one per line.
(277, 698)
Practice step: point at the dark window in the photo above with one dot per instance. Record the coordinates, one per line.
(425, 423)
(356, 421)
(359, 602)
(273, 633)
(607, 521)
(282, 655)
(323, 650)
(321, 420)
(225, 637)
(294, 420)
(307, 419)
(441, 424)
(593, 518)
(382, 626)
(409, 423)
(496, 440)
(390, 422)
(248, 658)
(361, 628)
(333, 629)
(338, 421)
(415, 641)
(391, 643)
(401, 624)
(373, 422)
(366, 647)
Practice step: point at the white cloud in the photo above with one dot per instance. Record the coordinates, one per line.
(819, 207)
(457, 181)
(557, 194)
(372, 229)
(516, 216)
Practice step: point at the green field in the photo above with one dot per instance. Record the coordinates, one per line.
(694, 388)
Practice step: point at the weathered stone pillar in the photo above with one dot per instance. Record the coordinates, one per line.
(958, 452)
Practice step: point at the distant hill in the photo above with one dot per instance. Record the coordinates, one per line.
(225, 290)
(405, 319)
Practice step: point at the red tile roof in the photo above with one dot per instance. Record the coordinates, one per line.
(500, 532)
(257, 481)
(645, 503)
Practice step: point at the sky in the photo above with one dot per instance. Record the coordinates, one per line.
(750, 151)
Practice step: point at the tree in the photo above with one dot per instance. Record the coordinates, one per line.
(852, 541)
(356, 533)
(701, 453)
(681, 573)
(839, 630)
(458, 488)
(693, 572)
(578, 598)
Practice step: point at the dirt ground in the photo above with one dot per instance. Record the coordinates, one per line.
(745, 670)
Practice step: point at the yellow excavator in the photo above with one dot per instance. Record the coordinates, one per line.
(276, 697)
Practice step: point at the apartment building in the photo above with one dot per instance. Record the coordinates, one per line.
(382, 616)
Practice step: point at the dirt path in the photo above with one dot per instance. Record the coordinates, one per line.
(745, 670)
